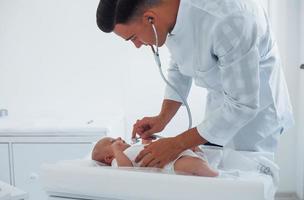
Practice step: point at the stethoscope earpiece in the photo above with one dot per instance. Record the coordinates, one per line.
(150, 19)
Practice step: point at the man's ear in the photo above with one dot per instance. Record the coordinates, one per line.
(108, 159)
(149, 17)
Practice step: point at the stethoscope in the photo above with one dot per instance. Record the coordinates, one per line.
(158, 63)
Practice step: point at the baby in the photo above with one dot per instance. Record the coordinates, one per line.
(116, 152)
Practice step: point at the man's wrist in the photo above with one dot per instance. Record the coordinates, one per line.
(168, 110)
(189, 139)
(164, 118)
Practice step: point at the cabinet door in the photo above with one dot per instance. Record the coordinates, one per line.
(4, 163)
(29, 157)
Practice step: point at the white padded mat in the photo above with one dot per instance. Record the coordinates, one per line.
(86, 179)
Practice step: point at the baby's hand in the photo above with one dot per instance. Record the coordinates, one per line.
(118, 145)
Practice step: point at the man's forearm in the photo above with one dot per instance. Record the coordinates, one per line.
(169, 109)
(189, 139)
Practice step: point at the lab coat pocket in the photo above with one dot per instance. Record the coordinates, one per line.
(210, 79)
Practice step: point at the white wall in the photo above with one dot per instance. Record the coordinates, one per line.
(285, 20)
(54, 62)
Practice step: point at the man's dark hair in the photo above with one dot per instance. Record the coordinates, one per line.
(112, 12)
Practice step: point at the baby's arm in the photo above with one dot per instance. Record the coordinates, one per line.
(121, 158)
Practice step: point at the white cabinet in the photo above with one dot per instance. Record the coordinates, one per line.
(25, 146)
(22, 157)
(4, 163)
(29, 157)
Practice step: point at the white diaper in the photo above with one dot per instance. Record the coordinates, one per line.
(169, 168)
(134, 150)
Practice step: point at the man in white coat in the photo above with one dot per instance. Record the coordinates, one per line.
(225, 46)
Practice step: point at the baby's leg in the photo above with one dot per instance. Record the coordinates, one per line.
(194, 166)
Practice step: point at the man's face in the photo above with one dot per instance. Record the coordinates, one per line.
(139, 33)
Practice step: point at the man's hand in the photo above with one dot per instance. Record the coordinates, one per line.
(146, 141)
(159, 153)
(165, 150)
(148, 126)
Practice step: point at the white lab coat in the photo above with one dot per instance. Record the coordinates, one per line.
(227, 47)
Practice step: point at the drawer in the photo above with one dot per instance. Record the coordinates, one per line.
(4, 163)
(29, 157)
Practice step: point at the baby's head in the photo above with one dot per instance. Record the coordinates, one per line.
(103, 150)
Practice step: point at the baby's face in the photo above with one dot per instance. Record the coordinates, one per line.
(103, 150)
(108, 143)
